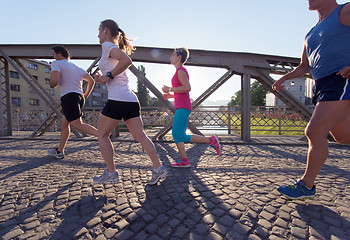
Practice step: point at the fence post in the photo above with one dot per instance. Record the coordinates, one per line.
(18, 117)
(245, 110)
(279, 120)
(229, 119)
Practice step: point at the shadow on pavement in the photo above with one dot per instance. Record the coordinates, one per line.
(79, 216)
(7, 226)
(183, 205)
(322, 220)
(302, 159)
(27, 164)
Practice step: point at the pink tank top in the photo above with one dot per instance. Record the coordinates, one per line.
(181, 100)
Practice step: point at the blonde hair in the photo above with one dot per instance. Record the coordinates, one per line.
(119, 35)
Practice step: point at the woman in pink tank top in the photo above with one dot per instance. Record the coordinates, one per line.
(180, 86)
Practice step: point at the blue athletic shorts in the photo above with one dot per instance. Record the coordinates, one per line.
(331, 88)
(71, 104)
(121, 110)
(180, 124)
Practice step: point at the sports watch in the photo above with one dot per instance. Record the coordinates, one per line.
(109, 74)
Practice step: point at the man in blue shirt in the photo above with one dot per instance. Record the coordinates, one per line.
(326, 54)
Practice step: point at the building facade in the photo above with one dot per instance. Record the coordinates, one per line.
(23, 96)
(301, 88)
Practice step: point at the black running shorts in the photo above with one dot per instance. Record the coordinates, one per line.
(72, 103)
(121, 110)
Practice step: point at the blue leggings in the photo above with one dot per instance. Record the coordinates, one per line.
(180, 124)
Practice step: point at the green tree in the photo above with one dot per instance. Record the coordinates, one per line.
(236, 99)
(257, 95)
(142, 91)
(156, 103)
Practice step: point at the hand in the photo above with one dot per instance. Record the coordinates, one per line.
(167, 95)
(345, 72)
(165, 89)
(101, 78)
(277, 86)
(97, 77)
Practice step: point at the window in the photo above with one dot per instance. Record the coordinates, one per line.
(96, 94)
(97, 85)
(32, 65)
(47, 80)
(97, 104)
(33, 101)
(104, 86)
(301, 88)
(47, 70)
(15, 87)
(51, 91)
(14, 74)
(30, 89)
(16, 101)
(292, 86)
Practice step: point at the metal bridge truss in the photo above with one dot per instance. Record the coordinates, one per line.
(246, 65)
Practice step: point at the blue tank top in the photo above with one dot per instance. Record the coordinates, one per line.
(328, 46)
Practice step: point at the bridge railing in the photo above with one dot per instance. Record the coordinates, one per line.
(216, 119)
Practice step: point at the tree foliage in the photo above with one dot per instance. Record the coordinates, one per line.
(236, 99)
(142, 91)
(257, 95)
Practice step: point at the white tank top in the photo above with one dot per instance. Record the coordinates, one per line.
(118, 87)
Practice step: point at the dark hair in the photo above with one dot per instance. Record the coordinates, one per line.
(62, 50)
(119, 36)
(184, 53)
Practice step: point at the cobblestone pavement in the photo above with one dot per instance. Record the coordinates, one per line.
(231, 196)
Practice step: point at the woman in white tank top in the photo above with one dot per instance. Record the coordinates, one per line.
(122, 103)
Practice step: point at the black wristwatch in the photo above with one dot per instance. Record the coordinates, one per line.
(109, 74)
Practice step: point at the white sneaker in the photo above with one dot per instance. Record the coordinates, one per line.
(106, 177)
(157, 175)
(55, 153)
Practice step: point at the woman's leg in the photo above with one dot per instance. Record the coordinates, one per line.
(180, 123)
(199, 139)
(105, 125)
(182, 150)
(83, 127)
(135, 126)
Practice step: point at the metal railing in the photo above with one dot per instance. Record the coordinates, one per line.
(227, 120)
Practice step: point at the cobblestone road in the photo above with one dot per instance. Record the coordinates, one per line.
(231, 196)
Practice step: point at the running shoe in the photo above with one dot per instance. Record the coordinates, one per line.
(54, 152)
(182, 164)
(157, 175)
(298, 190)
(214, 143)
(106, 177)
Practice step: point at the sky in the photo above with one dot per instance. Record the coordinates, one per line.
(275, 27)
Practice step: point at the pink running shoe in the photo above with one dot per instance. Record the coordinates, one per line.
(214, 143)
(181, 164)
